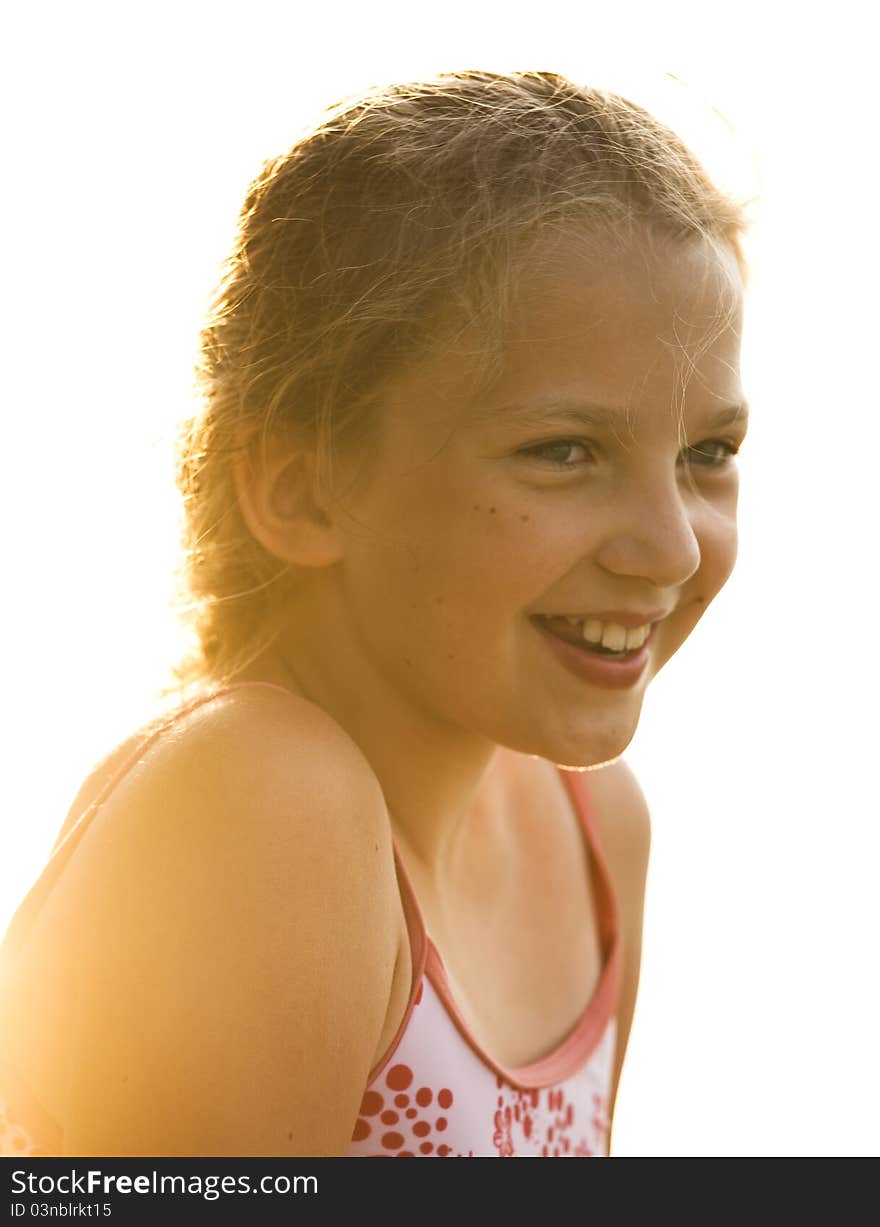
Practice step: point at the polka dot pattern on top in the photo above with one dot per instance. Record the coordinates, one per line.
(435, 1098)
(437, 1094)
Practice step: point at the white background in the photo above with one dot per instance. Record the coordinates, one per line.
(131, 134)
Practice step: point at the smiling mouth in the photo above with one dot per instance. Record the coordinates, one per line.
(570, 631)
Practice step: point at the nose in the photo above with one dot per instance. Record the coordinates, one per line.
(652, 533)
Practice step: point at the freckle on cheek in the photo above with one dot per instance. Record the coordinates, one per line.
(491, 510)
(524, 518)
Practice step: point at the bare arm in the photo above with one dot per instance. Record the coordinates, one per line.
(211, 973)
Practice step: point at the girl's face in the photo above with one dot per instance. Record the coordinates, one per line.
(486, 510)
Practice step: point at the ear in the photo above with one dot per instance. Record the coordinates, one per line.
(279, 504)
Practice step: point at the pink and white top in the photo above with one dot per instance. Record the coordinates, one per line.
(436, 1092)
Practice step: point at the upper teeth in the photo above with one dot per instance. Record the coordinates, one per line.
(611, 634)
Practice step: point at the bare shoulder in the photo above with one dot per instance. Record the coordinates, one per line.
(211, 972)
(255, 710)
(259, 738)
(250, 716)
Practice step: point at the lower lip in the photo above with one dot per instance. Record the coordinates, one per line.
(598, 670)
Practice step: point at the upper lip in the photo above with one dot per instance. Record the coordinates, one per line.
(622, 617)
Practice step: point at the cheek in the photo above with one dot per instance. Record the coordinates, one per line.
(481, 555)
(718, 541)
(452, 558)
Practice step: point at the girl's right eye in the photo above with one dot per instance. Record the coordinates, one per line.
(554, 453)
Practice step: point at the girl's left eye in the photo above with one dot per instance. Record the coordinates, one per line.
(703, 452)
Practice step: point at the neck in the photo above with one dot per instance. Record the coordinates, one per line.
(442, 784)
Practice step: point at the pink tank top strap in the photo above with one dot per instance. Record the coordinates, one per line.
(608, 912)
(606, 901)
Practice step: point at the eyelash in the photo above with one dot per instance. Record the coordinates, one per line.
(731, 448)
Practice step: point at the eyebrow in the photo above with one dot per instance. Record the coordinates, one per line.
(593, 415)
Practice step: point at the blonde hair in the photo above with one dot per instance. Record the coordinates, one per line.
(404, 209)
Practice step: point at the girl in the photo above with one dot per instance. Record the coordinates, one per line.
(462, 482)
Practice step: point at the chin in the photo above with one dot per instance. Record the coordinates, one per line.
(595, 748)
(586, 767)
(584, 762)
